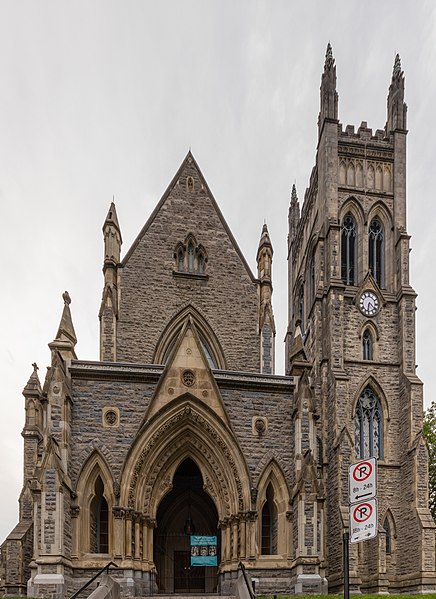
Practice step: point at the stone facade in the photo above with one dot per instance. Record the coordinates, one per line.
(183, 427)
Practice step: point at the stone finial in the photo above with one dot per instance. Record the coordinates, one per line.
(35, 367)
(66, 297)
(329, 60)
(397, 66)
(294, 198)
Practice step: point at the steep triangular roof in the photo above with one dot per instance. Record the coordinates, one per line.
(189, 160)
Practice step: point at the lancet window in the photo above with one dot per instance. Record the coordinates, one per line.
(348, 250)
(189, 257)
(368, 422)
(376, 251)
(99, 520)
(269, 523)
(367, 345)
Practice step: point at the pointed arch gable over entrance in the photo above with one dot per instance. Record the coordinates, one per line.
(185, 428)
(210, 344)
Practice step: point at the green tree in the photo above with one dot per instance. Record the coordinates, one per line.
(429, 429)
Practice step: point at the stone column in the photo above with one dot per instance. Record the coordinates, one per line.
(151, 527)
(128, 528)
(75, 511)
(252, 521)
(137, 521)
(235, 537)
(144, 539)
(118, 513)
(289, 543)
(243, 532)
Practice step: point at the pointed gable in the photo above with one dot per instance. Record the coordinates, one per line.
(188, 371)
(186, 254)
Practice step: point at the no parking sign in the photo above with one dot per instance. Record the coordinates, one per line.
(362, 497)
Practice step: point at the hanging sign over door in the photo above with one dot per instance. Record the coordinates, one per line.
(203, 551)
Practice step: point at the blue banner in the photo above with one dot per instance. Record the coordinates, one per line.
(203, 551)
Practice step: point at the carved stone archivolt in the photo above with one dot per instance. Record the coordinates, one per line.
(187, 433)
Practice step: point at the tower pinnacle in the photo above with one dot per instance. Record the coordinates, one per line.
(328, 95)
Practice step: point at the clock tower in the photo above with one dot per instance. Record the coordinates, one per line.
(351, 342)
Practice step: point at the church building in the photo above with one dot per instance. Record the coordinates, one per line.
(182, 429)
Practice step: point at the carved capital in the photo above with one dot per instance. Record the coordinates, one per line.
(251, 516)
(118, 511)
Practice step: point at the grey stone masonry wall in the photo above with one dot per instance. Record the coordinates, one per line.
(151, 292)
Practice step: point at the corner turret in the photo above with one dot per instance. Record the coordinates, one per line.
(267, 329)
(397, 108)
(328, 110)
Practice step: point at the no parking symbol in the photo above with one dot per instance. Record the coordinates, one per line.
(363, 521)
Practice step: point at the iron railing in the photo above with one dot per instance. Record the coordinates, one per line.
(99, 573)
(247, 582)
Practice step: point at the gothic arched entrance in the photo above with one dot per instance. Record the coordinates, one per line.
(186, 510)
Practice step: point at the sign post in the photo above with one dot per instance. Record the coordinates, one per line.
(362, 478)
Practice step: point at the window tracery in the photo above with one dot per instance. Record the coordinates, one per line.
(189, 257)
(368, 422)
(348, 250)
(376, 251)
(367, 345)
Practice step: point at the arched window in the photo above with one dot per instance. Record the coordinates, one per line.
(387, 528)
(99, 520)
(200, 264)
(348, 250)
(368, 422)
(312, 277)
(190, 257)
(376, 251)
(269, 523)
(301, 307)
(180, 261)
(367, 345)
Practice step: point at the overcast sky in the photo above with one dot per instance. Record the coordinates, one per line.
(102, 99)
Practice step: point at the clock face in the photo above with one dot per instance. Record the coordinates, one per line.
(368, 303)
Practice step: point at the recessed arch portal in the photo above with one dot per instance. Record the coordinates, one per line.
(186, 510)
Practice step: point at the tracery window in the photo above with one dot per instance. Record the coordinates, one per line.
(189, 257)
(376, 251)
(269, 523)
(99, 520)
(348, 250)
(368, 423)
(367, 346)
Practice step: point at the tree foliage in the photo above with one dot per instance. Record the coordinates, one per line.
(429, 429)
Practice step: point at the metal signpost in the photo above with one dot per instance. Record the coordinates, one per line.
(362, 477)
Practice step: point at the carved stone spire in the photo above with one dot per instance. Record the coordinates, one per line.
(293, 214)
(328, 94)
(266, 317)
(396, 107)
(66, 339)
(108, 313)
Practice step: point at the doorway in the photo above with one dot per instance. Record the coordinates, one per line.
(186, 510)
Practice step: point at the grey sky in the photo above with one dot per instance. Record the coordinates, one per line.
(105, 98)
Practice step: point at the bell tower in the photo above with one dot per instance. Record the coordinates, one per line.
(352, 318)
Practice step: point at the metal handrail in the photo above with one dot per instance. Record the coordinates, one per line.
(85, 586)
(247, 582)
